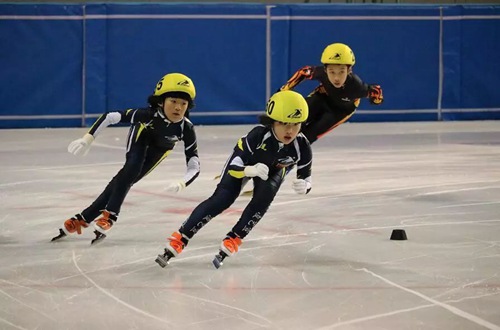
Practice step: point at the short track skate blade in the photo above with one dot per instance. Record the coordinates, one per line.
(99, 237)
(218, 260)
(58, 237)
(162, 260)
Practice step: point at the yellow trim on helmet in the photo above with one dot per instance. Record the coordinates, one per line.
(287, 107)
(175, 82)
(338, 54)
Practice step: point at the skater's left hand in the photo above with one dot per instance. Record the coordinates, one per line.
(375, 94)
(301, 186)
(80, 147)
(176, 187)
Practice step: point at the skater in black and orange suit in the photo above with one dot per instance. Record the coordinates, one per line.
(338, 95)
(263, 155)
(154, 132)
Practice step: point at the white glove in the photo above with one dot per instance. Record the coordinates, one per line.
(301, 186)
(81, 147)
(176, 187)
(259, 169)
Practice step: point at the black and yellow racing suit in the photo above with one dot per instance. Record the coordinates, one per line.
(150, 139)
(258, 146)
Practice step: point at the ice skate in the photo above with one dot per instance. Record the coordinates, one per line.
(71, 226)
(175, 246)
(98, 237)
(219, 259)
(163, 259)
(102, 226)
(228, 247)
(58, 237)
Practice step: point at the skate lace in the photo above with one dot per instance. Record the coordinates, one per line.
(104, 223)
(232, 244)
(176, 242)
(73, 225)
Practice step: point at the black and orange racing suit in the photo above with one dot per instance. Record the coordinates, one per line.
(258, 146)
(151, 138)
(330, 106)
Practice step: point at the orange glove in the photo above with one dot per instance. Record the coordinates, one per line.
(305, 72)
(375, 94)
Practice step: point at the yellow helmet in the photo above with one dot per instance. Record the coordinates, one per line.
(175, 82)
(287, 107)
(338, 54)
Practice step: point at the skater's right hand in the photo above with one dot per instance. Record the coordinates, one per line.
(259, 169)
(80, 147)
(301, 186)
(375, 94)
(176, 187)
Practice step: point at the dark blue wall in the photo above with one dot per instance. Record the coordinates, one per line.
(63, 65)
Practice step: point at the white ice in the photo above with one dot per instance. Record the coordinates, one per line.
(323, 261)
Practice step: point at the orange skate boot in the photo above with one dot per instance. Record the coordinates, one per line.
(176, 244)
(228, 247)
(103, 225)
(71, 226)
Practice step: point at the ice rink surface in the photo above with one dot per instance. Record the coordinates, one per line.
(320, 261)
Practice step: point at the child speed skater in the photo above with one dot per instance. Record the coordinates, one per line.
(263, 155)
(338, 94)
(154, 131)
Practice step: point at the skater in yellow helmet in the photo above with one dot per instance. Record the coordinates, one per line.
(153, 134)
(263, 155)
(339, 92)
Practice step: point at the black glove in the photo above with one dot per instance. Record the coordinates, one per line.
(375, 94)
